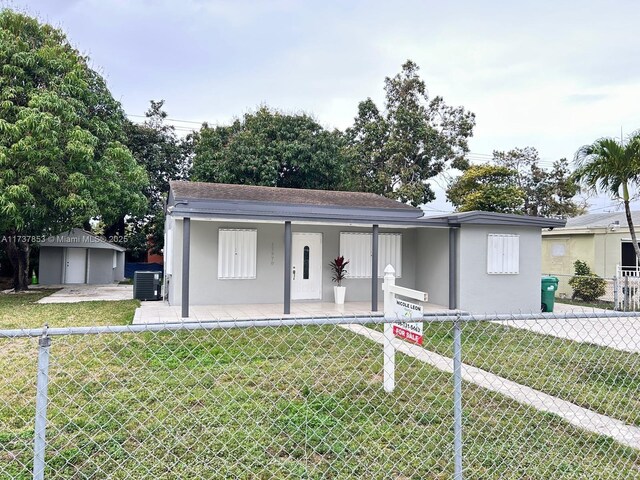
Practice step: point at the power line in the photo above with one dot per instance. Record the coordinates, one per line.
(472, 156)
(170, 119)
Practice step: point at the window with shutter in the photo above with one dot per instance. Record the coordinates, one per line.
(503, 254)
(237, 253)
(356, 247)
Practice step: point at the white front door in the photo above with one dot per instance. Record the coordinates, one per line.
(75, 265)
(306, 266)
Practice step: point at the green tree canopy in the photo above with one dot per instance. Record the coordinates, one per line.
(62, 157)
(547, 193)
(156, 147)
(515, 183)
(394, 152)
(491, 188)
(613, 167)
(269, 148)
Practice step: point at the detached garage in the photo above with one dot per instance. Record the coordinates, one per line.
(78, 256)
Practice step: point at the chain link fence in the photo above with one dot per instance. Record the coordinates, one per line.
(517, 396)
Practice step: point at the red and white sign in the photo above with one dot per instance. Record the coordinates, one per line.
(411, 331)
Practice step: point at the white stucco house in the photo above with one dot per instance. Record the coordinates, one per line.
(78, 256)
(239, 244)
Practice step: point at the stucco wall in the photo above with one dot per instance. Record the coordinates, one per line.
(50, 265)
(100, 269)
(432, 264)
(118, 274)
(574, 247)
(268, 286)
(601, 249)
(480, 292)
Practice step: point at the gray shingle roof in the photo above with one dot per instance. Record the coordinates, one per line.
(221, 191)
(595, 220)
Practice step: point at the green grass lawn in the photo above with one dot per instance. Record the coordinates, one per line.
(602, 379)
(304, 402)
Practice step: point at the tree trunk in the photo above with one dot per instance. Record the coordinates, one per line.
(18, 254)
(115, 232)
(632, 229)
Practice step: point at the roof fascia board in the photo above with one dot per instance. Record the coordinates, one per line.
(487, 218)
(177, 214)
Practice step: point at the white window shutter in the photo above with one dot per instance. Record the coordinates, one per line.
(237, 253)
(503, 254)
(390, 253)
(356, 247)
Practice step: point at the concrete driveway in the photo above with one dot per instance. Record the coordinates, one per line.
(88, 293)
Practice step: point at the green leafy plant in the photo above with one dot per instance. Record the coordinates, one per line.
(587, 286)
(338, 268)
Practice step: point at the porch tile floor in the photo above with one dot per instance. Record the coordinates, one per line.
(161, 312)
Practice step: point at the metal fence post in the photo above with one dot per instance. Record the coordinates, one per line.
(625, 293)
(388, 351)
(457, 399)
(42, 387)
(616, 306)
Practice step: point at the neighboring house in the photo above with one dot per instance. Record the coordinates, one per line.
(78, 256)
(602, 240)
(250, 244)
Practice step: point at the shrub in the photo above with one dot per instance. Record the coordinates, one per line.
(338, 269)
(587, 286)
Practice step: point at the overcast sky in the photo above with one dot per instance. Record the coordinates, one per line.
(553, 75)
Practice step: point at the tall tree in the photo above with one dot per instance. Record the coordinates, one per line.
(394, 152)
(156, 147)
(269, 148)
(547, 193)
(486, 187)
(613, 167)
(62, 158)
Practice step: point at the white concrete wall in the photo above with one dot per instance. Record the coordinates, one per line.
(118, 274)
(268, 287)
(432, 264)
(479, 292)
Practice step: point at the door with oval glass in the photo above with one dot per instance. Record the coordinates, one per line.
(306, 266)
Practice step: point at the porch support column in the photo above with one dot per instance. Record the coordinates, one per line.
(186, 253)
(374, 268)
(287, 268)
(453, 267)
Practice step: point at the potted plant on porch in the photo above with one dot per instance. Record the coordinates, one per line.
(338, 267)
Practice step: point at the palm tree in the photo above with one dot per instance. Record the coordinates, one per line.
(612, 166)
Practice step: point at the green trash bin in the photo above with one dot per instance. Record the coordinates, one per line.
(549, 285)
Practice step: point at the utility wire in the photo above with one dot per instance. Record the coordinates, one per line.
(471, 156)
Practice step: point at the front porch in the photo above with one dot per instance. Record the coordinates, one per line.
(162, 312)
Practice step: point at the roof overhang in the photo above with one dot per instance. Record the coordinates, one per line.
(271, 211)
(79, 238)
(492, 218)
(224, 209)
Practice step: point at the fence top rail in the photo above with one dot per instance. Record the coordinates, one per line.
(453, 315)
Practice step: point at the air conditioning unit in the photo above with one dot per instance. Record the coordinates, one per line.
(147, 285)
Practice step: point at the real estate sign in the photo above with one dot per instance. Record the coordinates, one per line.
(411, 331)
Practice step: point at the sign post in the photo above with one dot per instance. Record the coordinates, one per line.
(397, 309)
